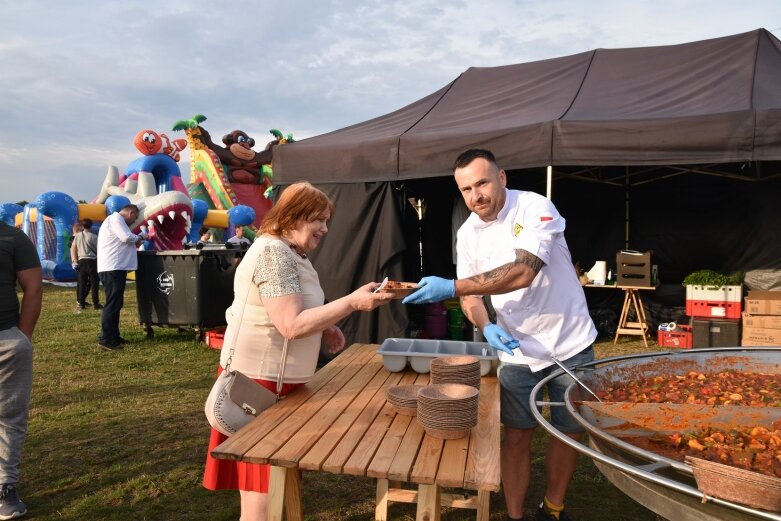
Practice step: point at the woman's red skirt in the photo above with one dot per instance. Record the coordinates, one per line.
(222, 474)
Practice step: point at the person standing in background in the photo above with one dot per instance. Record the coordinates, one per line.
(206, 236)
(239, 238)
(116, 256)
(77, 229)
(84, 256)
(19, 262)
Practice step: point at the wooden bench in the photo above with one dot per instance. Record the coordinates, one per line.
(340, 423)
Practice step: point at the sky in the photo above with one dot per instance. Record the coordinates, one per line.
(79, 79)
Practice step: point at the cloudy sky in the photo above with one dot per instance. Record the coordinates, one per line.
(79, 78)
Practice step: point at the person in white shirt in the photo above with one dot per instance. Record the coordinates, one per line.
(116, 256)
(512, 248)
(239, 238)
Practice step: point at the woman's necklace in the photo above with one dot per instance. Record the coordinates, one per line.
(295, 250)
(292, 246)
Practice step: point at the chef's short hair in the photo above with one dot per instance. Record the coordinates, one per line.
(470, 155)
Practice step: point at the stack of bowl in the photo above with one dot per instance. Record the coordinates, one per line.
(447, 411)
(456, 370)
(404, 398)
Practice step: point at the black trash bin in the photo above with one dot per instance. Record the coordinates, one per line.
(185, 289)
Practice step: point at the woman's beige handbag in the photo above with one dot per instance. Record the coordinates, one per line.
(235, 399)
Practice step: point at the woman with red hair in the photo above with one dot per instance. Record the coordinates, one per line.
(277, 296)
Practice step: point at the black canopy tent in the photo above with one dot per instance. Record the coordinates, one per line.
(702, 120)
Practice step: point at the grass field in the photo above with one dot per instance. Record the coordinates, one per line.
(122, 435)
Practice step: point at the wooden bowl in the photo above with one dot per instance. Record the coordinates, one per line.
(447, 434)
(448, 392)
(735, 484)
(403, 395)
(405, 411)
(399, 290)
(455, 362)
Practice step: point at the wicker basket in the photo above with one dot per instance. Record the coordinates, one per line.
(735, 484)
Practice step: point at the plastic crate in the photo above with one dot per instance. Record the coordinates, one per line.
(715, 332)
(713, 308)
(723, 293)
(215, 338)
(680, 338)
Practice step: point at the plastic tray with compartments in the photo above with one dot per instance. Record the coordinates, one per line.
(397, 352)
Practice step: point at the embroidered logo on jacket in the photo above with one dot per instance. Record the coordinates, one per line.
(517, 229)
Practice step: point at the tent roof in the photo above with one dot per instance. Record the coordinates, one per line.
(712, 101)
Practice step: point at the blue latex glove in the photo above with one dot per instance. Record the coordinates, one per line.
(494, 335)
(432, 289)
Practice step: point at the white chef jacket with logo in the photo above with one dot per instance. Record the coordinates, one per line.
(550, 317)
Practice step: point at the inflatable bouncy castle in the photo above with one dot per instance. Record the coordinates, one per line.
(152, 182)
(233, 174)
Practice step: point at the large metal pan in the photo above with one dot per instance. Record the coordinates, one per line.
(664, 485)
(610, 421)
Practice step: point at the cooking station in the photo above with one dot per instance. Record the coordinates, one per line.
(663, 484)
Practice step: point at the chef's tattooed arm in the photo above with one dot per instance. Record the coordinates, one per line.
(532, 261)
(508, 277)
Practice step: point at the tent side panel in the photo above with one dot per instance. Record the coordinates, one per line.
(720, 138)
(426, 156)
(364, 243)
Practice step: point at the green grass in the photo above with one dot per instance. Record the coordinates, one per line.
(122, 435)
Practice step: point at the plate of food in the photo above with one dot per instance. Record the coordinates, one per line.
(398, 289)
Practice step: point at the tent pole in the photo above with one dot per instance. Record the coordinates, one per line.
(549, 186)
(626, 209)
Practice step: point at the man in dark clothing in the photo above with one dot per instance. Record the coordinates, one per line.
(18, 263)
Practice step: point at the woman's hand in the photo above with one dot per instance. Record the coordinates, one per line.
(333, 339)
(364, 298)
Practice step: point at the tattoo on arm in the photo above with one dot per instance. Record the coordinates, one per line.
(532, 261)
(492, 276)
(497, 274)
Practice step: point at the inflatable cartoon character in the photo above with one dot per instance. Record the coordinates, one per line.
(149, 143)
(244, 165)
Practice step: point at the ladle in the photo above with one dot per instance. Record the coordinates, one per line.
(577, 380)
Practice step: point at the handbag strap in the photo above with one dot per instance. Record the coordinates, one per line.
(236, 335)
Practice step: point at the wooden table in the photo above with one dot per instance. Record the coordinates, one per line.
(340, 423)
(631, 299)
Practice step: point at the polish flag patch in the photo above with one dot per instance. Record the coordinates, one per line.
(546, 218)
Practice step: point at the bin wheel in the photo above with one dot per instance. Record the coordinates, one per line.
(200, 335)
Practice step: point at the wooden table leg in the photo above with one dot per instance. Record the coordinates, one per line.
(276, 493)
(381, 509)
(641, 312)
(624, 313)
(428, 503)
(483, 505)
(294, 510)
(640, 315)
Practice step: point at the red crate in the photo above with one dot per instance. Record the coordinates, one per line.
(713, 309)
(214, 338)
(680, 338)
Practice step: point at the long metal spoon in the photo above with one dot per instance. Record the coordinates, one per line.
(577, 380)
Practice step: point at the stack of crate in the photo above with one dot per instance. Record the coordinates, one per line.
(762, 319)
(715, 315)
